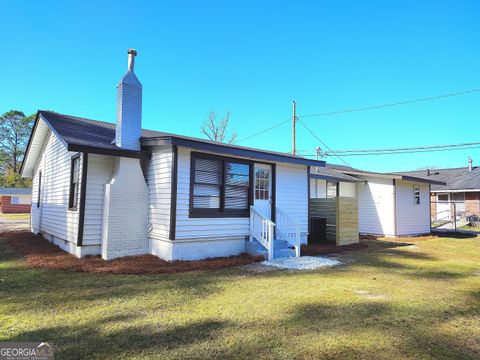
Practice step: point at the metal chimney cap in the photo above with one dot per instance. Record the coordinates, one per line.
(132, 51)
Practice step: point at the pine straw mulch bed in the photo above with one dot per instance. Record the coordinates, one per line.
(39, 253)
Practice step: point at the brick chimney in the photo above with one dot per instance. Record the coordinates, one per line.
(129, 108)
(470, 164)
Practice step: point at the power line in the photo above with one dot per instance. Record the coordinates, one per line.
(405, 102)
(373, 107)
(401, 152)
(320, 140)
(263, 131)
(425, 147)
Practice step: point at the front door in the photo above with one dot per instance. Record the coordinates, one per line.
(263, 190)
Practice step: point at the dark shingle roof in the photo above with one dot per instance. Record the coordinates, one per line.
(86, 132)
(328, 173)
(78, 132)
(404, 176)
(455, 178)
(15, 191)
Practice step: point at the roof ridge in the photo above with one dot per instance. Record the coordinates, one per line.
(437, 169)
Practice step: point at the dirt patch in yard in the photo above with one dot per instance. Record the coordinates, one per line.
(39, 253)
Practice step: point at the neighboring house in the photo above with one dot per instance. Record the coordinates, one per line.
(388, 204)
(118, 190)
(15, 200)
(460, 194)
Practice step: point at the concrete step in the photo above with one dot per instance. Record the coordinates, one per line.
(283, 253)
(280, 249)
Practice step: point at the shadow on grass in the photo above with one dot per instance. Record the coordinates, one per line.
(105, 339)
(415, 331)
(462, 234)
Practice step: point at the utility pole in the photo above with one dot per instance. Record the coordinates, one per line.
(294, 120)
(318, 155)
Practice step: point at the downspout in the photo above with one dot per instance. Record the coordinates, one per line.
(83, 195)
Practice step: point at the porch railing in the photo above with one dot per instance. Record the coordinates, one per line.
(263, 230)
(288, 229)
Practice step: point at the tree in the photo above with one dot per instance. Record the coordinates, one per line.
(217, 130)
(13, 179)
(15, 130)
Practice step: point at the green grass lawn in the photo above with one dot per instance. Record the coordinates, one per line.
(394, 302)
(471, 228)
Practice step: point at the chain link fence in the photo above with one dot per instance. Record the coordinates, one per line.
(451, 216)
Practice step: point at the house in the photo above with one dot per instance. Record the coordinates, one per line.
(116, 190)
(459, 195)
(15, 200)
(388, 204)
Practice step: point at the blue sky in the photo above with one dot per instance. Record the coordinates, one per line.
(253, 59)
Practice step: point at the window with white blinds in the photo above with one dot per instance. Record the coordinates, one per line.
(219, 186)
(207, 184)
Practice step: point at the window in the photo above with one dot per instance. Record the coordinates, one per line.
(347, 189)
(262, 184)
(19, 200)
(318, 188)
(416, 195)
(442, 197)
(220, 187)
(331, 189)
(39, 189)
(74, 182)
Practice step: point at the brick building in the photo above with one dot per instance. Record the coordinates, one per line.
(15, 200)
(461, 192)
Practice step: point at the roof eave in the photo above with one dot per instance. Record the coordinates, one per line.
(236, 151)
(109, 152)
(334, 178)
(412, 178)
(27, 151)
(393, 176)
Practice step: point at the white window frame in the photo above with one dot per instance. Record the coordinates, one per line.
(416, 189)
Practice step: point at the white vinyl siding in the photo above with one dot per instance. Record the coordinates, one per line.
(292, 194)
(158, 174)
(412, 219)
(53, 216)
(291, 197)
(376, 209)
(99, 172)
(198, 228)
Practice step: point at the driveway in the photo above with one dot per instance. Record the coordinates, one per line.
(11, 224)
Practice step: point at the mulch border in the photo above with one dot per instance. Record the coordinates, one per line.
(41, 254)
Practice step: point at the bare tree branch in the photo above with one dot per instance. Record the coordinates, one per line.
(217, 130)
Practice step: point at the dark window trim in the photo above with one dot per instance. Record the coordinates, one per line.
(72, 207)
(83, 196)
(274, 193)
(173, 193)
(395, 226)
(39, 189)
(309, 215)
(222, 212)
